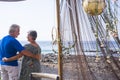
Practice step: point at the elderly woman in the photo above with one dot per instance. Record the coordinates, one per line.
(29, 64)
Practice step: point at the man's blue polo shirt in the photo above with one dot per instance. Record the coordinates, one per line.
(9, 46)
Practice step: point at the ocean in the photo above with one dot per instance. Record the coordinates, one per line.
(46, 46)
(88, 46)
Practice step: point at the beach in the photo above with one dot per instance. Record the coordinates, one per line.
(101, 69)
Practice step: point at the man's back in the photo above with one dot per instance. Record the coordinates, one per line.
(8, 48)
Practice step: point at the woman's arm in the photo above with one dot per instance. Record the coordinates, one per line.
(12, 58)
(39, 56)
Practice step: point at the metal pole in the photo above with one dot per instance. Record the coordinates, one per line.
(60, 68)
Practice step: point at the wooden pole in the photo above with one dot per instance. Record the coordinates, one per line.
(60, 68)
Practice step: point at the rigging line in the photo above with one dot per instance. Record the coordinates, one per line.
(84, 54)
(109, 8)
(88, 33)
(61, 5)
(79, 52)
(64, 20)
(100, 36)
(92, 26)
(115, 17)
(117, 5)
(114, 61)
(106, 20)
(113, 45)
(62, 11)
(115, 9)
(97, 40)
(103, 28)
(73, 27)
(64, 32)
(83, 29)
(95, 28)
(114, 39)
(113, 58)
(102, 32)
(97, 35)
(64, 17)
(71, 20)
(107, 52)
(68, 17)
(75, 19)
(112, 14)
(117, 41)
(68, 5)
(100, 26)
(110, 65)
(92, 23)
(98, 29)
(107, 44)
(89, 38)
(91, 30)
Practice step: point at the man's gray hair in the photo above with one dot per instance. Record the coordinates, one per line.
(13, 28)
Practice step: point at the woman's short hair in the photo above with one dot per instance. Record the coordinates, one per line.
(33, 34)
(13, 28)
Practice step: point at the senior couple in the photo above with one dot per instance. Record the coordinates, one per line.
(11, 50)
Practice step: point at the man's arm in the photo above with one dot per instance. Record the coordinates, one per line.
(24, 52)
(12, 58)
(29, 54)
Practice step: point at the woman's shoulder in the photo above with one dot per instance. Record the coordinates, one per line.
(27, 44)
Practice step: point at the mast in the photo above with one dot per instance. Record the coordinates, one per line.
(60, 68)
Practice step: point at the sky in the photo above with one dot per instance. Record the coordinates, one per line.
(36, 15)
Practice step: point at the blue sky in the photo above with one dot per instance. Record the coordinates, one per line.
(36, 15)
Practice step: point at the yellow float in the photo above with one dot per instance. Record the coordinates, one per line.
(94, 7)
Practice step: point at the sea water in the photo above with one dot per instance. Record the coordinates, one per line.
(46, 46)
(88, 46)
